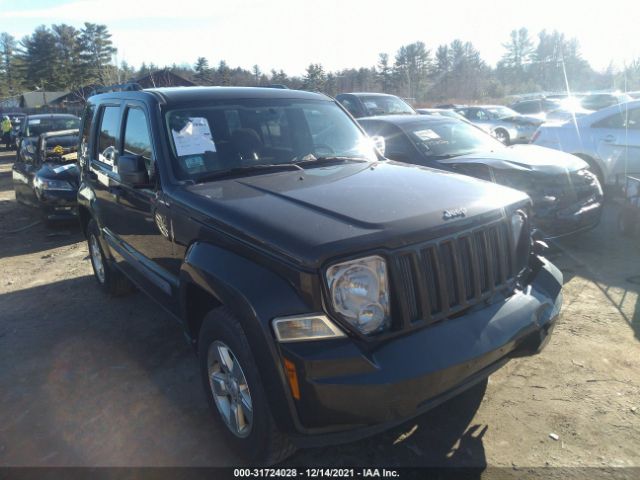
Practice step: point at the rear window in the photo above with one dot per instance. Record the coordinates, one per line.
(386, 106)
(37, 126)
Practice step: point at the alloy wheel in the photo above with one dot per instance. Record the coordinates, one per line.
(96, 258)
(230, 389)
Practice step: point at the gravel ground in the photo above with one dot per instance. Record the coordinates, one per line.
(90, 381)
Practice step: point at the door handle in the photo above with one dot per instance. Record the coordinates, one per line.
(609, 139)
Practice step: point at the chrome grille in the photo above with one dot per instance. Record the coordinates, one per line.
(442, 278)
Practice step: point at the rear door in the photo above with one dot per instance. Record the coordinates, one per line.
(617, 141)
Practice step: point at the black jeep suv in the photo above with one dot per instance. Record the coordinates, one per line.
(329, 293)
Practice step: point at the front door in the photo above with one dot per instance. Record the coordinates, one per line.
(140, 220)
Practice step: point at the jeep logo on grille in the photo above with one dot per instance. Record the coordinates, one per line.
(454, 213)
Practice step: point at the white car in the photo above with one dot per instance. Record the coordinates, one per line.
(608, 140)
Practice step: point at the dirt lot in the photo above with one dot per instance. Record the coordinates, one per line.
(85, 380)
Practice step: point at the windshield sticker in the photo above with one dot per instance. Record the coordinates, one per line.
(62, 168)
(426, 135)
(34, 121)
(194, 138)
(194, 163)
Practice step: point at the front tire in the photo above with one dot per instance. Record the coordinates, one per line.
(502, 136)
(110, 280)
(235, 393)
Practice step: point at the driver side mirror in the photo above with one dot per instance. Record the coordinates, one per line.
(132, 170)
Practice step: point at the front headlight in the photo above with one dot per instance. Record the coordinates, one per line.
(49, 184)
(359, 292)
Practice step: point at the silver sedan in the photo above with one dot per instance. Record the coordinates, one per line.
(608, 140)
(505, 124)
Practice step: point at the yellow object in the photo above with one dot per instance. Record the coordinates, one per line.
(58, 150)
(6, 126)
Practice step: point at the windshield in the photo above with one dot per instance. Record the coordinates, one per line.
(450, 139)
(252, 132)
(38, 126)
(386, 105)
(502, 112)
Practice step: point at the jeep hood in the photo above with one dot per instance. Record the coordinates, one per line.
(346, 209)
(523, 158)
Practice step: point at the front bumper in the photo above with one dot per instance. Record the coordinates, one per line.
(523, 134)
(580, 218)
(348, 391)
(58, 205)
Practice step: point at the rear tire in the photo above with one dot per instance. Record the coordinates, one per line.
(252, 433)
(110, 280)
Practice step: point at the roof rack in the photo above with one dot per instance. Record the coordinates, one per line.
(120, 87)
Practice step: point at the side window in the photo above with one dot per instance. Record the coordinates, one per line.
(528, 107)
(106, 149)
(136, 136)
(350, 105)
(87, 119)
(617, 120)
(475, 114)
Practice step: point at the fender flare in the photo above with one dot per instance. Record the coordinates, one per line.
(255, 295)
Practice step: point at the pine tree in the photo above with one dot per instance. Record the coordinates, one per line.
(42, 60)
(315, 78)
(385, 73)
(11, 78)
(97, 50)
(203, 73)
(70, 51)
(412, 67)
(257, 74)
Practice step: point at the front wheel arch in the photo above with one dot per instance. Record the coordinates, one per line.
(593, 166)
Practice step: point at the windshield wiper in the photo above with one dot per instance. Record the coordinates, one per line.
(312, 159)
(246, 169)
(445, 156)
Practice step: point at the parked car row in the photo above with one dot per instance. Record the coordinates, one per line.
(565, 190)
(45, 173)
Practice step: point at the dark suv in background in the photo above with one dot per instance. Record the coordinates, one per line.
(329, 293)
(366, 104)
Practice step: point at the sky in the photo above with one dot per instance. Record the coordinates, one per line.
(291, 34)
